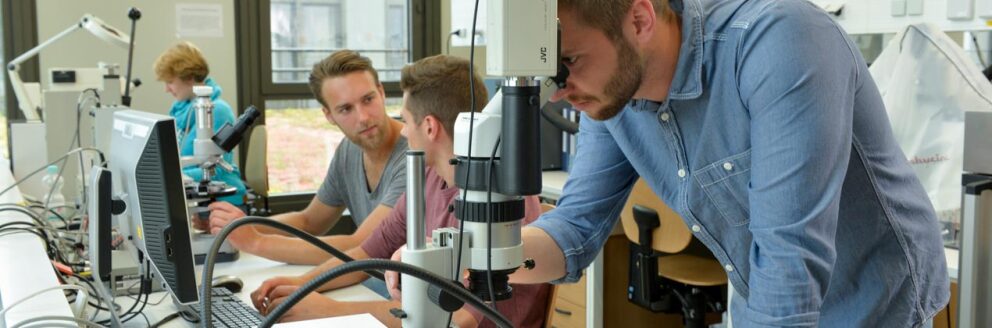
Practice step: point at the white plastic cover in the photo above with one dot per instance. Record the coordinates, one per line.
(927, 83)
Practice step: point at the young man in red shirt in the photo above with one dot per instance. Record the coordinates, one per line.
(435, 91)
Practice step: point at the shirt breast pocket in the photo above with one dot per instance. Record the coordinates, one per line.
(725, 183)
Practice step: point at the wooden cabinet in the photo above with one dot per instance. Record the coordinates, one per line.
(568, 307)
(948, 317)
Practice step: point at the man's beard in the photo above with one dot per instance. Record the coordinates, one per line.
(370, 142)
(624, 83)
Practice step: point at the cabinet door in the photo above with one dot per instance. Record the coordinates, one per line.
(565, 314)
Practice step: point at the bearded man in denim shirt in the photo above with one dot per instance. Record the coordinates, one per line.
(758, 122)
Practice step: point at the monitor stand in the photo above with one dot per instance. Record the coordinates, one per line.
(201, 245)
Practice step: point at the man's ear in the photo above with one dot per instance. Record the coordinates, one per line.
(641, 21)
(432, 127)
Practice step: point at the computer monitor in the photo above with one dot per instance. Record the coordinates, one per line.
(147, 176)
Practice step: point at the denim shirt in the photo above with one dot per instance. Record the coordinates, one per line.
(775, 149)
(185, 116)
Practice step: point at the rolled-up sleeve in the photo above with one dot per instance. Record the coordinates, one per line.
(798, 78)
(594, 194)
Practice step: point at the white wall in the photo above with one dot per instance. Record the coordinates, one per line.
(480, 51)
(891, 16)
(156, 31)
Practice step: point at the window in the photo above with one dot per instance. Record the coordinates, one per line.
(305, 31)
(275, 59)
(302, 34)
(301, 143)
(3, 99)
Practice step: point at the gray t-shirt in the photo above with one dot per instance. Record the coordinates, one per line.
(346, 185)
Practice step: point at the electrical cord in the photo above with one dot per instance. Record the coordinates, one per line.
(978, 49)
(70, 153)
(164, 320)
(77, 321)
(471, 126)
(79, 109)
(145, 290)
(489, 225)
(15, 230)
(208, 265)
(30, 214)
(447, 48)
(447, 285)
(35, 294)
(351, 266)
(9, 224)
(92, 288)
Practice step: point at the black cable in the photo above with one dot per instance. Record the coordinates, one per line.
(978, 49)
(489, 225)
(146, 291)
(190, 317)
(14, 230)
(471, 126)
(208, 267)
(164, 320)
(30, 214)
(8, 224)
(65, 224)
(454, 289)
(142, 291)
(147, 322)
(92, 288)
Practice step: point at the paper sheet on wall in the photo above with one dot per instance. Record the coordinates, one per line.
(199, 20)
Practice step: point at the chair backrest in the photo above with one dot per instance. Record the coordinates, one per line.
(256, 169)
(546, 207)
(671, 237)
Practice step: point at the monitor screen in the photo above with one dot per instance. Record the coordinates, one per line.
(148, 178)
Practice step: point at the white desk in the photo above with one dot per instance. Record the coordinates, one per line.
(24, 266)
(253, 270)
(952, 256)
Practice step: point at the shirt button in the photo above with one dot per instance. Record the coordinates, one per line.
(729, 268)
(728, 166)
(681, 173)
(695, 228)
(665, 116)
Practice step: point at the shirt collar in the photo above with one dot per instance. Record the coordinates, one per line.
(687, 81)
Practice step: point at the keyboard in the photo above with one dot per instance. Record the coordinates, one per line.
(230, 311)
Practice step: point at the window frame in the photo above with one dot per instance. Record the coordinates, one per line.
(256, 86)
(20, 34)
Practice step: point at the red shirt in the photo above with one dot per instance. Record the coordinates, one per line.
(529, 303)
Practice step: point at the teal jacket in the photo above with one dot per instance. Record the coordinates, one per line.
(185, 117)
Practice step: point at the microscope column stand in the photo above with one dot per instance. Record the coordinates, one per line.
(420, 311)
(975, 275)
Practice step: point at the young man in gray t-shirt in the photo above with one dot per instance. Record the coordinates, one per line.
(366, 175)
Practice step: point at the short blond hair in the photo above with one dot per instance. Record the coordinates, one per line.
(183, 60)
(439, 86)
